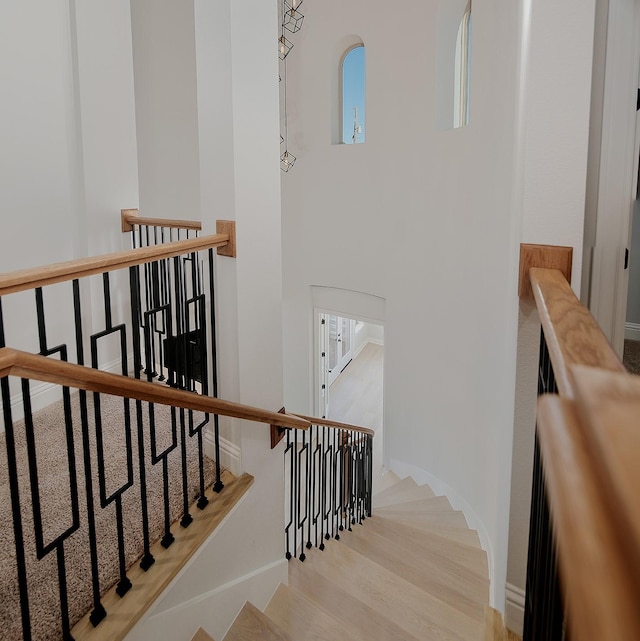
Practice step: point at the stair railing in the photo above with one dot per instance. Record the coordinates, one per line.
(30, 367)
(147, 313)
(583, 571)
(329, 483)
(146, 232)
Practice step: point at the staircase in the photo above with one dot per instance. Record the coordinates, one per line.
(411, 572)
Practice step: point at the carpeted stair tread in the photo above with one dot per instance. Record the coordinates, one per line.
(358, 620)
(124, 613)
(202, 635)
(301, 618)
(419, 506)
(453, 584)
(253, 625)
(457, 557)
(455, 531)
(419, 613)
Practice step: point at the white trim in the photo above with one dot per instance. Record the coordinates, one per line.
(422, 477)
(230, 453)
(609, 281)
(632, 331)
(514, 608)
(276, 565)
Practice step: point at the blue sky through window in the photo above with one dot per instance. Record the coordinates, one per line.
(353, 76)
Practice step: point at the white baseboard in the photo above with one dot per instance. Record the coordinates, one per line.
(632, 331)
(214, 610)
(514, 608)
(421, 477)
(230, 454)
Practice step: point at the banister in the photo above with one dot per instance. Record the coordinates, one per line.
(323, 422)
(25, 279)
(130, 217)
(572, 334)
(600, 583)
(32, 366)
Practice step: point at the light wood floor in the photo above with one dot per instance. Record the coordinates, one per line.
(356, 397)
(387, 580)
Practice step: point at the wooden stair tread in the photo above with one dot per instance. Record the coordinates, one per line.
(449, 582)
(387, 480)
(398, 488)
(419, 613)
(450, 518)
(202, 635)
(411, 494)
(456, 532)
(430, 504)
(358, 621)
(472, 557)
(301, 618)
(252, 625)
(124, 613)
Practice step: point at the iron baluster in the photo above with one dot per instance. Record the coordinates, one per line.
(218, 485)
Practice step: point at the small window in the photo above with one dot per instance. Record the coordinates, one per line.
(353, 96)
(463, 71)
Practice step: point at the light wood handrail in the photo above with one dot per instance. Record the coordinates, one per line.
(572, 334)
(26, 279)
(599, 577)
(33, 366)
(323, 422)
(130, 217)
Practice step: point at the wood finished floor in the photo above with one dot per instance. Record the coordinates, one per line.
(413, 577)
(356, 397)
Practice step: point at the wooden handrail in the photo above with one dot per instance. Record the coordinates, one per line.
(572, 334)
(26, 279)
(598, 570)
(130, 217)
(32, 366)
(323, 422)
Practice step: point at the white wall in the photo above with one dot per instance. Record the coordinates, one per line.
(68, 154)
(421, 218)
(164, 56)
(431, 221)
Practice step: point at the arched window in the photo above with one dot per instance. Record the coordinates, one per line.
(462, 71)
(353, 95)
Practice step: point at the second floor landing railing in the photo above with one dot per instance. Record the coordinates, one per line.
(583, 572)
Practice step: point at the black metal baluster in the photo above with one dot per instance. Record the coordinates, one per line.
(98, 612)
(301, 521)
(14, 493)
(323, 489)
(42, 548)
(296, 493)
(543, 605)
(309, 485)
(106, 499)
(218, 485)
(134, 283)
(287, 529)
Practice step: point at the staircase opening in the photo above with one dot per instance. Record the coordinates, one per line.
(350, 366)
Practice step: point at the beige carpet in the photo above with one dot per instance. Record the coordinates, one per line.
(55, 497)
(631, 358)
